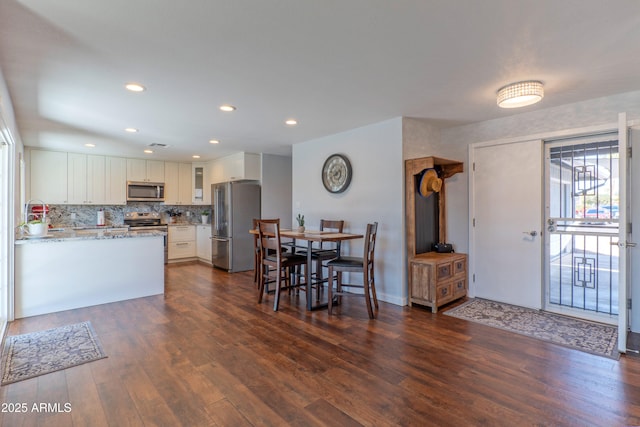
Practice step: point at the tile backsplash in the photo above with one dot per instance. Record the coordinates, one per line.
(86, 216)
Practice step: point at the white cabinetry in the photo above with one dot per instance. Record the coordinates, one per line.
(96, 180)
(116, 180)
(203, 242)
(177, 190)
(236, 167)
(201, 180)
(77, 179)
(86, 179)
(145, 170)
(182, 242)
(48, 175)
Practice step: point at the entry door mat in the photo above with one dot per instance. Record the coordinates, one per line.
(38, 353)
(591, 337)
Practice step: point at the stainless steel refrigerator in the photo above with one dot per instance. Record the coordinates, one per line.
(235, 205)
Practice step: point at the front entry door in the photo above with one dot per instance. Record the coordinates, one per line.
(587, 241)
(582, 220)
(507, 222)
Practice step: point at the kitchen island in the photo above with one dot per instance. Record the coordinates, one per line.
(80, 268)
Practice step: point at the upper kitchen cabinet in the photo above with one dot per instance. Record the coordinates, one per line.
(236, 167)
(85, 179)
(177, 179)
(48, 176)
(77, 179)
(116, 180)
(201, 179)
(145, 170)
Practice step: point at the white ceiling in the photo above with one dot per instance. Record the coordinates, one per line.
(331, 64)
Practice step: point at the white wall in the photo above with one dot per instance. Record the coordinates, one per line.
(276, 188)
(376, 193)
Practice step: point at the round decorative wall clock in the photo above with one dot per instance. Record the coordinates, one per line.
(336, 173)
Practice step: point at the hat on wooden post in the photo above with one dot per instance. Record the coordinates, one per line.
(430, 183)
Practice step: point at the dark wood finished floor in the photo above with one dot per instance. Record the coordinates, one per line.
(206, 354)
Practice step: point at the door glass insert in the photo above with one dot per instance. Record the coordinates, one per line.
(582, 227)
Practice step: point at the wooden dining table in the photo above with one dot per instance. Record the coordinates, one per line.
(318, 236)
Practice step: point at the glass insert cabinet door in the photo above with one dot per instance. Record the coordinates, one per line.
(198, 184)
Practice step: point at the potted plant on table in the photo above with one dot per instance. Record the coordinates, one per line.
(204, 215)
(300, 219)
(35, 228)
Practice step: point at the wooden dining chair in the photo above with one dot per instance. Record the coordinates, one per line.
(274, 259)
(348, 264)
(257, 272)
(324, 252)
(327, 250)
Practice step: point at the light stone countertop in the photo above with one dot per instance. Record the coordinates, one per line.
(88, 234)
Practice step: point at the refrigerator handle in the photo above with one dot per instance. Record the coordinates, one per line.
(216, 212)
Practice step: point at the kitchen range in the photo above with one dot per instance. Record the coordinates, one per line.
(147, 221)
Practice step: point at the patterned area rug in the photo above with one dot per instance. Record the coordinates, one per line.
(38, 353)
(591, 337)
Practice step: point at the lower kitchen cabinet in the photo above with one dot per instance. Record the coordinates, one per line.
(436, 279)
(203, 242)
(181, 242)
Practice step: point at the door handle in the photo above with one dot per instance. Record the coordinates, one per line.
(532, 233)
(624, 244)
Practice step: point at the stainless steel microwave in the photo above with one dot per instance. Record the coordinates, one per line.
(145, 191)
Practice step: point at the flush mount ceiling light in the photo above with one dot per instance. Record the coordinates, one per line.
(291, 122)
(90, 145)
(135, 87)
(227, 108)
(196, 156)
(131, 130)
(214, 141)
(520, 94)
(148, 151)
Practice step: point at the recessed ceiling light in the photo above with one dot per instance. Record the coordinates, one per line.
(90, 145)
(214, 141)
(195, 156)
(291, 122)
(227, 108)
(131, 130)
(135, 87)
(148, 151)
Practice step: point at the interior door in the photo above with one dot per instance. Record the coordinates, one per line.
(506, 203)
